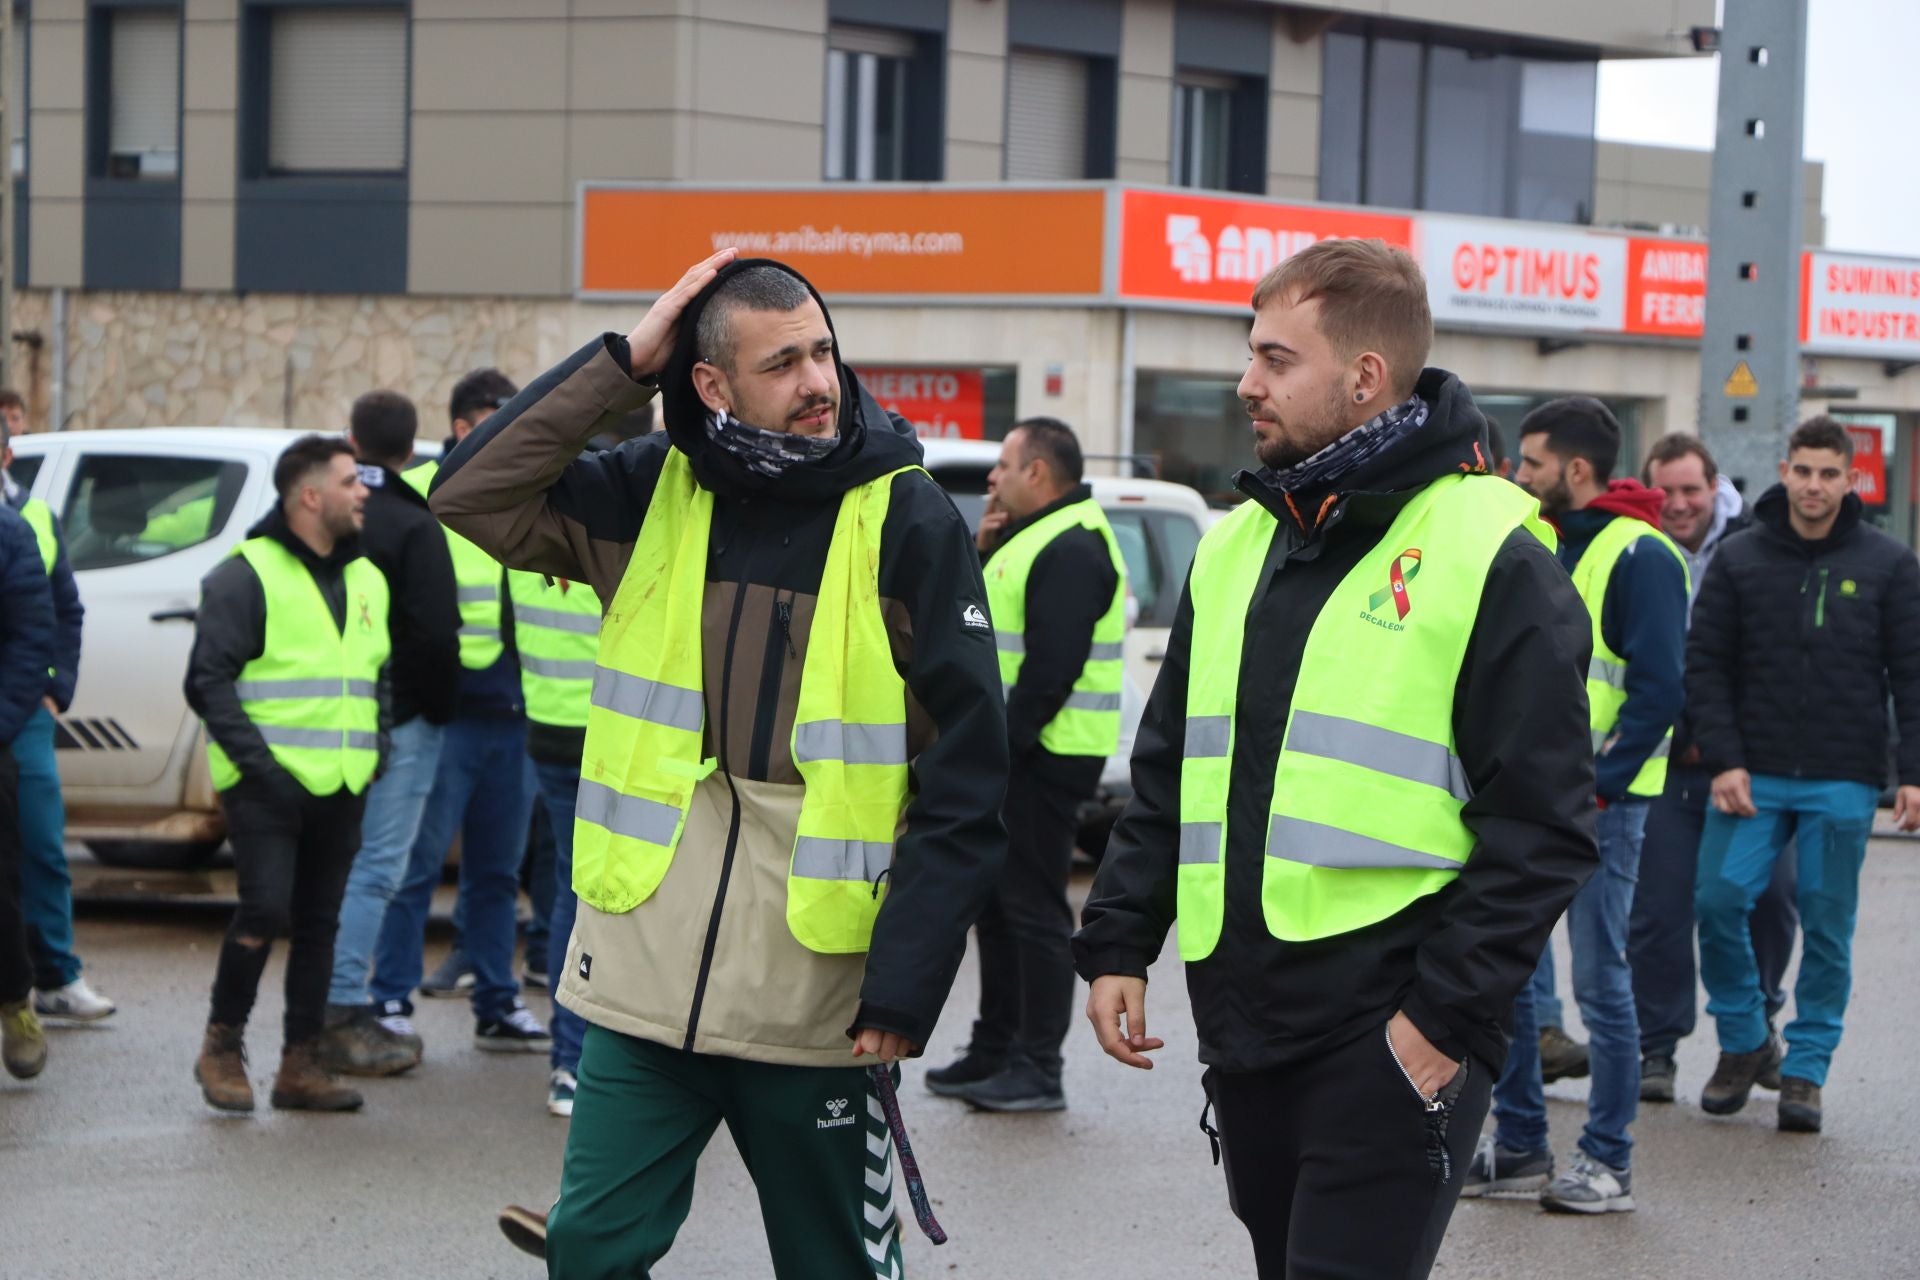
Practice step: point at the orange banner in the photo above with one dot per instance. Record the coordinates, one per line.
(1178, 246)
(851, 241)
(1666, 287)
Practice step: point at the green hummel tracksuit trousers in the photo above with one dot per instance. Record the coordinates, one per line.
(813, 1138)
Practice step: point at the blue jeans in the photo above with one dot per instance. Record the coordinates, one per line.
(1831, 822)
(1603, 988)
(538, 871)
(1547, 1009)
(394, 807)
(483, 787)
(46, 890)
(559, 784)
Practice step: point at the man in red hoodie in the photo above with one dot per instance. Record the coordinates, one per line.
(1634, 582)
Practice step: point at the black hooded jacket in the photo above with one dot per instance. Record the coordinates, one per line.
(230, 630)
(577, 515)
(406, 544)
(1796, 646)
(1453, 961)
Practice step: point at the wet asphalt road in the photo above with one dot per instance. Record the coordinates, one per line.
(110, 1166)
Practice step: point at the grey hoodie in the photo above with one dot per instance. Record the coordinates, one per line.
(1727, 508)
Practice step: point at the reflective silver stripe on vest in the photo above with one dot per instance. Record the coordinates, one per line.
(1199, 843)
(586, 624)
(268, 690)
(1009, 642)
(479, 629)
(1370, 746)
(558, 668)
(1319, 845)
(1093, 702)
(634, 817)
(280, 735)
(1665, 748)
(1107, 652)
(475, 595)
(642, 699)
(1208, 737)
(1610, 673)
(852, 743)
(820, 858)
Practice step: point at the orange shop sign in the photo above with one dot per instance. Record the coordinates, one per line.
(1869, 462)
(1176, 246)
(942, 404)
(1666, 287)
(899, 242)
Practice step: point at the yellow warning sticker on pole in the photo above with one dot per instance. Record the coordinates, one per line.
(1741, 383)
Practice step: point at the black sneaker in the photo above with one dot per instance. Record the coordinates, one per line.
(454, 977)
(533, 974)
(970, 1068)
(1561, 1056)
(1020, 1087)
(1657, 1077)
(518, 1032)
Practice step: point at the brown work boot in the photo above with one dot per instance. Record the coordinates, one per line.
(1734, 1078)
(1799, 1105)
(355, 1044)
(304, 1085)
(222, 1070)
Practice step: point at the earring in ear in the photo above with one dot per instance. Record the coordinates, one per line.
(1359, 396)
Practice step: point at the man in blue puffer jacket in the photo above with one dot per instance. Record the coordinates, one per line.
(26, 650)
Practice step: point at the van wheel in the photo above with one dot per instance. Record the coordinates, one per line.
(155, 855)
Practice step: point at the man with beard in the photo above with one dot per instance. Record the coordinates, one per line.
(1634, 584)
(1362, 784)
(795, 628)
(1805, 626)
(1702, 508)
(288, 672)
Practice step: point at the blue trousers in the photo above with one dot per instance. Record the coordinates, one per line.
(395, 805)
(46, 889)
(559, 784)
(1831, 821)
(1603, 988)
(483, 788)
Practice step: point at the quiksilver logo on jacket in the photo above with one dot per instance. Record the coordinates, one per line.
(976, 617)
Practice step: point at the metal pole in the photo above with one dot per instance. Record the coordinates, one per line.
(1750, 353)
(1126, 392)
(57, 319)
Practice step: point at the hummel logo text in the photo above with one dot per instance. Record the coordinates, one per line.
(837, 1109)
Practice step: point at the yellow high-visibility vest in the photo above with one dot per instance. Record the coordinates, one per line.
(1607, 673)
(556, 627)
(477, 579)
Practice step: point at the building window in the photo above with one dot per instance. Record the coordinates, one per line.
(337, 92)
(868, 72)
(143, 94)
(1414, 124)
(1047, 101)
(1203, 121)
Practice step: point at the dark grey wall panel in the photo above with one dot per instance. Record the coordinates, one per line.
(903, 15)
(131, 235)
(1214, 38)
(1090, 27)
(320, 236)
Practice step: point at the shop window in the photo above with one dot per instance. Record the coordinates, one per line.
(142, 94)
(883, 105)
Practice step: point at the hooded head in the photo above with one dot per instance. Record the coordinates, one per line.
(756, 348)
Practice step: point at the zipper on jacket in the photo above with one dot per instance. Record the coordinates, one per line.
(733, 822)
(780, 649)
(1820, 604)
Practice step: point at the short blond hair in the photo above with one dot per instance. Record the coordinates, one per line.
(1372, 297)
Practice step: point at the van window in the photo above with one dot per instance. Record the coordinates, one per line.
(25, 467)
(125, 508)
(1158, 548)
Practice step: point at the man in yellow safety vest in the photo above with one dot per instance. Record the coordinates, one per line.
(1362, 782)
(288, 673)
(794, 760)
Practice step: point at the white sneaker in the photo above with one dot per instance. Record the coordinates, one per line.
(398, 1024)
(75, 1002)
(560, 1087)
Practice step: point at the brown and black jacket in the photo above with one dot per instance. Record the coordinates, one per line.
(707, 963)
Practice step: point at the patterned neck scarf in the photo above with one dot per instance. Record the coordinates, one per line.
(1325, 469)
(766, 453)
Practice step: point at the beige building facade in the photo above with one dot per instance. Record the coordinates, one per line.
(247, 212)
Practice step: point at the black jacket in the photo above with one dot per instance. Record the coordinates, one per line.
(230, 630)
(26, 624)
(1796, 646)
(406, 543)
(1454, 960)
(577, 515)
(1068, 590)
